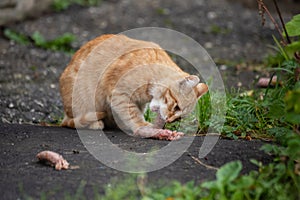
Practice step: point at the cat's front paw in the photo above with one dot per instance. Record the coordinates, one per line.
(164, 134)
(161, 134)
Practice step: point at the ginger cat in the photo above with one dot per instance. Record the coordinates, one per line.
(110, 80)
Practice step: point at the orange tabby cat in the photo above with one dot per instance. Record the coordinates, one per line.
(110, 80)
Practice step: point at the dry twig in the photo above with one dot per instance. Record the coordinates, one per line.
(203, 164)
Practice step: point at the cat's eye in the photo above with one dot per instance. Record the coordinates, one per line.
(176, 108)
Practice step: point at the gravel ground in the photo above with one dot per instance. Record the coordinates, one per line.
(29, 75)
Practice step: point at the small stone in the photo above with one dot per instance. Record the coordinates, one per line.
(39, 103)
(103, 24)
(211, 15)
(17, 76)
(223, 67)
(208, 45)
(11, 105)
(53, 86)
(27, 78)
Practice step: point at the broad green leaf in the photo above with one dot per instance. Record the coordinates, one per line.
(238, 195)
(210, 185)
(229, 172)
(293, 26)
(293, 47)
(246, 182)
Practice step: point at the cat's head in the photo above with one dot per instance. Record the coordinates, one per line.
(178, 99)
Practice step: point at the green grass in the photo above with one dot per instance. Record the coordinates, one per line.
(215, 29)
(61, 43)
(60, 5)
(256, 113)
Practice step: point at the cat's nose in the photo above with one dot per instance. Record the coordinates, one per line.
(168, 119)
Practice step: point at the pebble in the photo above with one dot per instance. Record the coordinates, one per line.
(53, 86)
(17, 76)
(39, 103)
(27, 78)
(211, 15)
(223, 67)
(208, 45)
(11, 105)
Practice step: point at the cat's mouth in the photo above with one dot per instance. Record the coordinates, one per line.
(171, 120)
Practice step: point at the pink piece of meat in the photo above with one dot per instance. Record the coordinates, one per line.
(53, 159)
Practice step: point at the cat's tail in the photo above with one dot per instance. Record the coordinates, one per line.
(86, 120)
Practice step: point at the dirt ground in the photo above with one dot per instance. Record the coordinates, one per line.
(29, 91)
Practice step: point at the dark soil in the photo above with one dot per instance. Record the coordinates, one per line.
(29, 90)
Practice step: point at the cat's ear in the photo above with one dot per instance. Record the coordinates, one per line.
(189, 81)
(200, 89)
(192, 82)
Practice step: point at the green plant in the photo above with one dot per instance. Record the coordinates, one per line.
(293, 105)
(215, 29)
(126, 189)
(173, 191)
(17, 37)
(293, 26)
(60, 5)
(61, 43)
(78, 194)
(203, 112)
(149, 115)
(228, 185)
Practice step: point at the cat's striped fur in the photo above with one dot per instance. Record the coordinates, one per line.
(111, 79)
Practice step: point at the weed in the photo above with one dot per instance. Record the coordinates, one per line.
(149, 115)
(215, 29)
(203, 112)
(176, 191)
(78, 194)
(126, 189)
(17, 37)
(273, 181)
(162, 11)
(61, 43)
(60, 5)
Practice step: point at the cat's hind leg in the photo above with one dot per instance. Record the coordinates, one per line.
(97, 125)
(91, 120)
